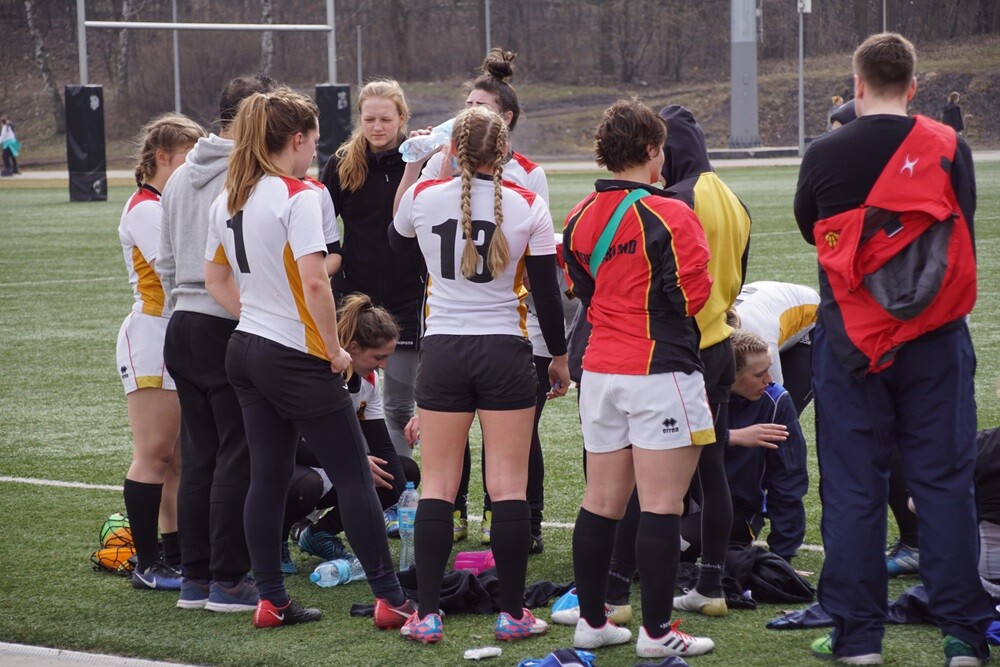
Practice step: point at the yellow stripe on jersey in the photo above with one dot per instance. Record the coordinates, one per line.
(703, 437)
(149, 286)
(314, 342)
(427, 299)
(149, 382)
(522, 295)
(795, 320)
(649, 283)
(220, 256)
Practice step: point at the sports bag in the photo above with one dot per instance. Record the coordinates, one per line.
(902, 264)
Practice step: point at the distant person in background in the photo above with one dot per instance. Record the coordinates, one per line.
(154, 412)
(952, 114)
(842, 115)
(835, 103)
(11, 147)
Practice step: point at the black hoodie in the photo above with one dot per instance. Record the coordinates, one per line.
(689, 177)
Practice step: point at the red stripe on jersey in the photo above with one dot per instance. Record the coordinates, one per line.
(313, 182)
(528, 195)
(370, 378)
(294, 185)
(525, 163)
(141, 195)
(423, 185)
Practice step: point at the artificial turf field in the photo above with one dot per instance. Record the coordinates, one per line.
(63, 295)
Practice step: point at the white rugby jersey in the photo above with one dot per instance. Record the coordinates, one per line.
(569, 304)
(780, 313)
(280, 222)
(366, 397)
(330, 232)
(139, 233)
(486, 304)
(518, 169)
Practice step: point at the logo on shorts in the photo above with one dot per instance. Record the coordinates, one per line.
(670, 425)
(124, 370)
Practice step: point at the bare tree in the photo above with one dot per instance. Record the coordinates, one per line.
(266, 38)
(121, 59)
(42, 60)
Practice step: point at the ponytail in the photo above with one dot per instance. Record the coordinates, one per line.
(363, 322)
(169, 132)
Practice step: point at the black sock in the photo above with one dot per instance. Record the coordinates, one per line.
(622, 569)
(593, 540)
(171, 550)
(510, 538)
(432, 545)
(142, 504)
(657, 548)
(462, 499)
(710, 580)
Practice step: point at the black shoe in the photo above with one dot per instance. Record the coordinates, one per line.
(157, 577)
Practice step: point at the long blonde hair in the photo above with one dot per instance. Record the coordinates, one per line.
(169, 132)
(264, 124)
(352, 163)
(480, 138)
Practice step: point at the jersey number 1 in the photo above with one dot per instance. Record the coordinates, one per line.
(448, 230)
(235, 223)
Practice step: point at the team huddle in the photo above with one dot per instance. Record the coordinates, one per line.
(259, 397)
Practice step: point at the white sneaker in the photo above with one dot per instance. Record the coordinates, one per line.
(608, 634)
(694, 601)
(566, 611)
(674, 643)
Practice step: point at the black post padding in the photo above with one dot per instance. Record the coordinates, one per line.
(334, 101)
(85, 157)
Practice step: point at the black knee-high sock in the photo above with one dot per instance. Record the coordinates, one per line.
(142, 504)
(171, 550)
(432, 545)
(462, 499)
(622, 569)
(657, 548)
(511, 539)
(593, 540)
(716, 518)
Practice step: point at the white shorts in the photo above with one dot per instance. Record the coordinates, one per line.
(140, 353)
(660, 411)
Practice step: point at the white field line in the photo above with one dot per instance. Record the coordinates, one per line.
(111, 487)
(31, 283)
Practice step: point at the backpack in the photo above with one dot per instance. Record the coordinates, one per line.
(902, 264)
(117, 547)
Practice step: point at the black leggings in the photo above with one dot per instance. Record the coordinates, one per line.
(336, 440)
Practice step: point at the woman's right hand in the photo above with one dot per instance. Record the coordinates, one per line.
(340, 361)
(759, 435)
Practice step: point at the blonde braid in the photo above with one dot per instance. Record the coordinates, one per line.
(499, 254)
(470, 257)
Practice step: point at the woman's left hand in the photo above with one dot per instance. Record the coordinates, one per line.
(559, 377)
(382, 477)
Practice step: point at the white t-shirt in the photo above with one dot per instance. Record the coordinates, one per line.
(330, 232)
(780, 313)
(139, 233)
(430, 211)
(281, 222)
(367, 399)
(518, 169)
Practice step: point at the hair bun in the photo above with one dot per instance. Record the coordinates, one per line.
(499, 64)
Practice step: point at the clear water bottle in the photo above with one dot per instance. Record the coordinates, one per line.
(337, 572)
(417, 148)
(407, 516)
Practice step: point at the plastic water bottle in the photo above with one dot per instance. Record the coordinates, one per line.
(407, 516)
(337, 572)
(417, 148)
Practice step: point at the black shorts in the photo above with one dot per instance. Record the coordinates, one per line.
(296, 384)
(466, 373)
(720, 371)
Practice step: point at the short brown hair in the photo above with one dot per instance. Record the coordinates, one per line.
(745, 345)
(627, 130)
(886, 62)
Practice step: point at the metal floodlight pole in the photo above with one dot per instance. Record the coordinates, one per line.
(805, 6)
(226, 27)
(489, 38)
(177, 61)
(360, 83)
(884, 22)
(331, 42)
(81, 40)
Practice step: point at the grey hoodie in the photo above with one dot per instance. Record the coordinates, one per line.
(187, 197)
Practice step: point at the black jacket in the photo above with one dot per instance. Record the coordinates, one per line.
(952, 115)
(393, 280)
